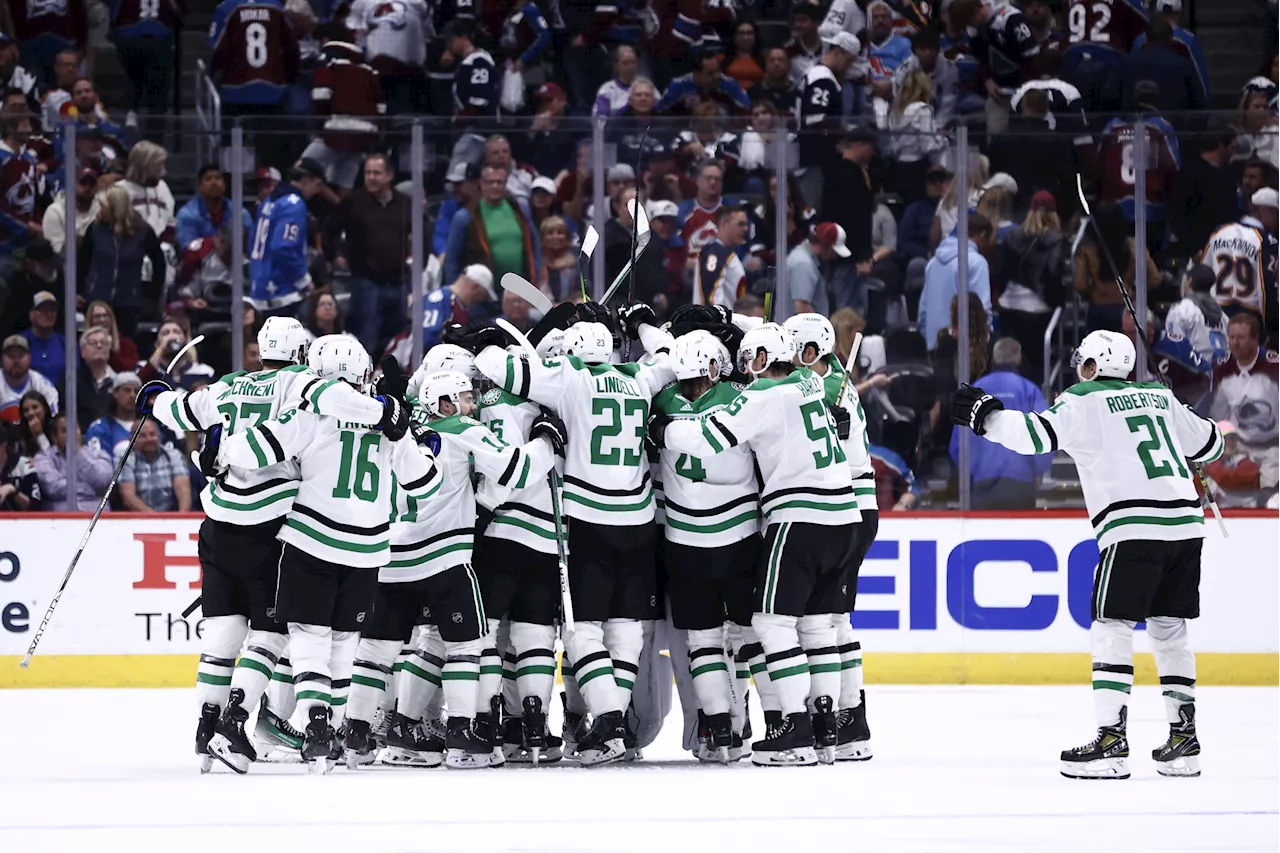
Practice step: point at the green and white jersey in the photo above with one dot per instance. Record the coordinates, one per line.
(525, 516)
(342, 513)
(1131, 442)
(857, 447)
(605, 408)
(708, 501)
(429, 538)
(245, 496)
(787, 426)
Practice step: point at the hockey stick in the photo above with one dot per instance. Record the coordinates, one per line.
(850, 363)
(642, 242)
(524, 288)
(1140, 329)
(589, 242)
(635, 220)
(93, 522)
(566, 599)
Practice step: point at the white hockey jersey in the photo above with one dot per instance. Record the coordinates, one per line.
(427, 540)
(342, 513)
(1186, 321)
(1234, 252)
(786, 424)
(1131, 442)
(398, 30)
(857, 447)
(605, 408)
(257, 494)
(710, 501)
(525, 515)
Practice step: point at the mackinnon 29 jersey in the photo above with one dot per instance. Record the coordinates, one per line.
(1131, 442)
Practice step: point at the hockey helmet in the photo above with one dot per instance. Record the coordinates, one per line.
(341, 357)
(812, 329)
(552, 345)
(1111, 352)
(443, 357)
(283, 339)
(446, 385)
(590, 342)
(694, 354)
(776, 342)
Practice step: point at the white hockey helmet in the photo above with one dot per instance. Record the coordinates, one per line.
(341, 357)
(776, 342)
(590, 342)
(552, 345)
(283, 339)
(695, 352)
(1111, 352)
(444, 385)
(812, 329)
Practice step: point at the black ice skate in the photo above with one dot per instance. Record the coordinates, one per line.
(605, 742)
(489, 728)
(825, 726)
(787, 743)
(317, 748)
(1180, 755)
(533, 731)
(408, 745)
(853, 739)
(465, 749)
(1105, 757)
(357, 743)
(230, 744)
(573, 730)
(276, 741)
(204, 733)
(719, 737)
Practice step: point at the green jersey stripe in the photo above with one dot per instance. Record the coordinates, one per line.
(355, 547)
(257, 449)
(570, 496)
(1036, 443)
(426, 558)
(1151, 519)
(728, 524)
(824, 507)
(520, 522)
(248, 507)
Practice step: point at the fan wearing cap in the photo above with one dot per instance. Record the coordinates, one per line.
(210, 211)
(464, 182)
(1184, 41)
(548, 146)
(664, 220)
(470, 297)
(475, 84)
(111, 432)
(804, 268)
(821, 103)
(278, 276)
(1194, 338)
(1256, 123)
(48, 347)
(19, 379)
(265, 181)
(53, 226)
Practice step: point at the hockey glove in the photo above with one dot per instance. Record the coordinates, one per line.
(392, 382)
(426, 437)
(656, 432)
(594, 312)
(971, 405)
(207, 459)
(844, 423)
(395, 417)
(147, 394)
(475, 336)
(688, 318)
(729, 335)
(549, 426)
(559, 317)
(633, 315)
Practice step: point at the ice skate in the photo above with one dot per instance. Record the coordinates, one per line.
(825, 725)
(318, 745)
(1105, 757)
(853, 738)
(605, 742)
(719, 737)
(408, 745)
(787, 743)
(738, 748)
(230, 744)
(204, 733)
(488, 727)
(513, 748)
(1180, 755)
(533, 730)
(358, 743)
(573, 730)
(275, 740)
(465, 749)
(381, 725)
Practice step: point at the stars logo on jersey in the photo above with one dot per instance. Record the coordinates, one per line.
(469, 421)
(491, 397)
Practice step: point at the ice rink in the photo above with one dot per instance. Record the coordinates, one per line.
(955, 769)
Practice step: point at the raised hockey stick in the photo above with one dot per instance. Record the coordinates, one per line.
(643, 236)
(1140, 335)
(566, 598)
(524, 288)
(635, 220)
(589, 241)
(850, 364)
(84, 540)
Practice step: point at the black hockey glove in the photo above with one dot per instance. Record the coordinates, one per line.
(688, 318)
(549, 426)
(655, 434)
(635, 314)
(594, 312)
(844, 422)
(207, 460)
(971, 405)
(476, 335)
(146, 396)
(395, 418)
(729, 335)
(392, 382)
(559, 317)
(425, 436)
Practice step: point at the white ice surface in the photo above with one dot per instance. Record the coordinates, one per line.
(955, 769)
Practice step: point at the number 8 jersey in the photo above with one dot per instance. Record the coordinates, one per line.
(1131, 442)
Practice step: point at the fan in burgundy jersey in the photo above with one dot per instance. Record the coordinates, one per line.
(19, 184)
(1117, 163)
(146, 17)
(1112, 25)
(348, 92)
(255, 51)
(44, 27)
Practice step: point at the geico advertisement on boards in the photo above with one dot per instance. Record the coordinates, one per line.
(929, 584)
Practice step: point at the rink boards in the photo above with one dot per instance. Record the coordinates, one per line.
(942, 599)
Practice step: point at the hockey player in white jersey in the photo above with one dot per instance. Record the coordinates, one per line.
(809, 511)
(335, 534)
(238, 548)
(815, 341)
(1133, 444)
(608, 496)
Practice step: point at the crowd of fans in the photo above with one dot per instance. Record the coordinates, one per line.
(700, 100)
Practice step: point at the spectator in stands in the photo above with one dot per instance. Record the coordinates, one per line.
(805, 48)
(66, 70)
(515, 310)
(1036, 259)
(495, 231)
(914, 143)
(884, 283)
(1256, 124)
(744, 64)
(1044, 32)
(819, 111)
(172, 336)
(685, 28)
(697, 215)
(550, 141)
(464, 180)
(323, 316)
(614, 94)
(914, 247)
(94, 377)
(54, 224)
(1247, 386)
(776, 86)
(886, 51)
(804, 268)
(43, 32)
(19, 379)
(265, 181)
(255, 61)
(1001, 479)
(849, 201)
(154, 477)
(1181, 88)
(896, 487)
(1204, 194)
(704, 83)
(111, 433)
(149, 195)
(926, 56)
(615, 238)
(1235, 479)
(497, 152)
(996, 203)
(705, 137)
(525, 39)
(1194, 339)
(1254, 175)
(209, 211)
(720, 277)
(750, 157)
(15, 76)
(22, 276)
(348, 95)
(542, 202)
(48, 347)
(669, 284)
(1094, 278)
(144, 39)
(800, 219)
(948, 214)
(1184, 42)
(86, 110)
(93, 471)
(124, 353)
(35, 422)
(471, 296)
(111, 259)
(559, 272)
(575, 186)
(19, 483)
(940, 278)
(475, 84)
(19, 183)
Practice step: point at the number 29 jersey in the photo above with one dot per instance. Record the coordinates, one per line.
(1236, 254)
(1131, 442)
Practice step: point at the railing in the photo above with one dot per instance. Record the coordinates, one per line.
(208, 114)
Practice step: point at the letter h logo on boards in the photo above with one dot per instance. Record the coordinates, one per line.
(156, 560)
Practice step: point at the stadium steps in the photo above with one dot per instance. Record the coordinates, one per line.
(1235, 36)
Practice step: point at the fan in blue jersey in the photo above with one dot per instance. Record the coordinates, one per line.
(704, 83)
(278, 276)
(1004, 46)
(471, 297)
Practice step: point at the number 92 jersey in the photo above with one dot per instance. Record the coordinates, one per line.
(1236, 254)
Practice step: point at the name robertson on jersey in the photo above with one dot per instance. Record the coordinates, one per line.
(616, 385)
(1136, 400)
